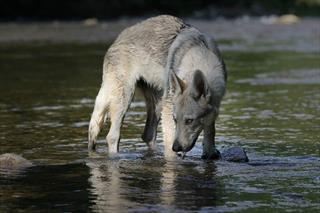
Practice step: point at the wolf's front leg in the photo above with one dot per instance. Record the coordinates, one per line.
(168, 128)
(209, 148)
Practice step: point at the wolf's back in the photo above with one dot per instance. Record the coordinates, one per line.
(154, 36)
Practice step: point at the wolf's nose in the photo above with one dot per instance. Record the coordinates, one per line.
(176, 146)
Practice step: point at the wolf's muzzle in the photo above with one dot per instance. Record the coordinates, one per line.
(176, 147)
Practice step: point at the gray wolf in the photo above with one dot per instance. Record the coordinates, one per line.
(181, 75)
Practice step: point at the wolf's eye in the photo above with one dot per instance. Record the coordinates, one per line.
(188, 121)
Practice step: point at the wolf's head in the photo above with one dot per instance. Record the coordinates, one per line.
(191, 104)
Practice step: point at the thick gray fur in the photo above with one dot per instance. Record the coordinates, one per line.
(181, 74)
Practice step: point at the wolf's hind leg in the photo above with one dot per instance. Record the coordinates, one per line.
(117, 110)
(98, 116)
(152, 98)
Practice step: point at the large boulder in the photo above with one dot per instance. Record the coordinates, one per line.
(235, 154)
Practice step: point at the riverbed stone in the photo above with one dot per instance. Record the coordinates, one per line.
(235, 154)
(14, 161)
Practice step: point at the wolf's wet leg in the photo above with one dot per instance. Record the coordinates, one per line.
(153, 117)
(209, 149)
(168, 128)
(117, 111)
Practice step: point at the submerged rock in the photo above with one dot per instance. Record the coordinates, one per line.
(10, 161)
(235, 154)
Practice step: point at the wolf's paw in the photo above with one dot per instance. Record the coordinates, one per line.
(215, 155)
(152, 145)
(91, 146)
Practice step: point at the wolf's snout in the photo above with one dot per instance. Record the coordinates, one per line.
(176, 146)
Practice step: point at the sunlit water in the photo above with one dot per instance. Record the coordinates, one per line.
(272, 109)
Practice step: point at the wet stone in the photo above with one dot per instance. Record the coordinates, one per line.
(13, 161)
(235, 154)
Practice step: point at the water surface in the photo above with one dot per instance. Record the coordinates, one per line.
(272, 109)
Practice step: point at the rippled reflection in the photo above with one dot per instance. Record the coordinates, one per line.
(141, 183)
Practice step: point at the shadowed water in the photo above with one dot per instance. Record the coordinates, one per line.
(272, 109)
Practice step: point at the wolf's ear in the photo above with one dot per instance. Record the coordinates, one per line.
(177, 85)
(200, 87)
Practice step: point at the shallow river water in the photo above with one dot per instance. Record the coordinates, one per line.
(272, 109)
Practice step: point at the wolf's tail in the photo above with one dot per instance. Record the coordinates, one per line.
(98, 117)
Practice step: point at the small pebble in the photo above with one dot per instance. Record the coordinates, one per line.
(90, 22)
(317, 179)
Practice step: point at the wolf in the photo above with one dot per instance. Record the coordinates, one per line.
(182, 76)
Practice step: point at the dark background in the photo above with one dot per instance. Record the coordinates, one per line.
(29, 10)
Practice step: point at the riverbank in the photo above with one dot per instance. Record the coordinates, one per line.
(245, 33)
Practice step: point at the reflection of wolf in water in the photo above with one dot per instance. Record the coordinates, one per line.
(181, 74)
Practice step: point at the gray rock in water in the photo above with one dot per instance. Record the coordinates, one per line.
(235, 154)
(10, 161)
